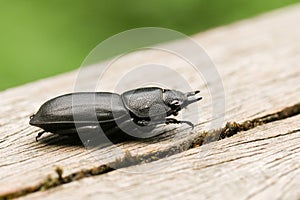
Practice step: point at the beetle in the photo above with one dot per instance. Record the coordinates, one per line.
(135, 111)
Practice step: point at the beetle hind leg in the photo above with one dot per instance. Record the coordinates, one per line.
(39, 135)
(175, 121)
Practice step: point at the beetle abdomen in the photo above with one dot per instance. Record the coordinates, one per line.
(80, 108)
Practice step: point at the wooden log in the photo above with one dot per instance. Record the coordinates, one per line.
(257, 60)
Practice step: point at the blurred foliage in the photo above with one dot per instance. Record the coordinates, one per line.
(41, 38)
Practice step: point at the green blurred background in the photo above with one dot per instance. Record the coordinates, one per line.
(42, 38)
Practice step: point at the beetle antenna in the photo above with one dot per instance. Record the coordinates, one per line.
(39, 135)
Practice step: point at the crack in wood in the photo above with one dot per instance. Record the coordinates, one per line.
(265, 138)
(223, 162)
(230, 129)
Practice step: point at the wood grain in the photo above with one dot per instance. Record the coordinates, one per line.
(261, 163)
(258, 62)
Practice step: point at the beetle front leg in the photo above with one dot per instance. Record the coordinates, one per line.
(166, 121)
(175, 121)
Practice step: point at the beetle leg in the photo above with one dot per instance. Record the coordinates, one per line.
(175, 121)
(175, 113)
(166, 121)
(39, 135)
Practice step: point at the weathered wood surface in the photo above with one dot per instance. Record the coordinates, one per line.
(258, 60)
(262, 163)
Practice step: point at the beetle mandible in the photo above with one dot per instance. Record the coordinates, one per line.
(142, 107)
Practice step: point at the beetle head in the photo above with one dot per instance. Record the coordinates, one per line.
(177, 100)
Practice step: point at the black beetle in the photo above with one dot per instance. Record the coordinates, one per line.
(137, 111)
